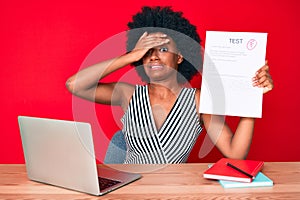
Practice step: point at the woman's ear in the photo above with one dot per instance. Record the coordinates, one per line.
(180, 58)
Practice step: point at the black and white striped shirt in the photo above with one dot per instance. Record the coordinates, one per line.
(173, 142)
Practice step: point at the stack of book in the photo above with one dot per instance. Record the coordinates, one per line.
(234, 173)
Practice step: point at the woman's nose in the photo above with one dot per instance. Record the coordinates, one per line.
(153, 53)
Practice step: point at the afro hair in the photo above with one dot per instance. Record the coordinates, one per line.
(164, 19)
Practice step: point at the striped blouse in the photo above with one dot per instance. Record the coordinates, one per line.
(173, 142)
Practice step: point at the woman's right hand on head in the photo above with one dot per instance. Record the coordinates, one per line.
(149, 41)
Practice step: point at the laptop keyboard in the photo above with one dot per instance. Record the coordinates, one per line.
(106, 183)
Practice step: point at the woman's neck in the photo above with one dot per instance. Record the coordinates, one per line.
(164, 90)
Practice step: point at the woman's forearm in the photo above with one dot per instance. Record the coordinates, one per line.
(89, 77)
(232, 145)
(242, 138)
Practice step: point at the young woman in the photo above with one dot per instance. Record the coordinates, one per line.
(161, 121)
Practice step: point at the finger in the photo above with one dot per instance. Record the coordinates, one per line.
(264, 71)
(266, 89)
(263, 81)
(266, 62)
(267, 83)
(147, 41)
(260, 80)
(155, 42)
(265, 67)
(154, 38)
(144, 35)
(157, 35)
(268, 86)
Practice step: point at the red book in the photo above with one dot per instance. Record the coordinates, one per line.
(234, 170)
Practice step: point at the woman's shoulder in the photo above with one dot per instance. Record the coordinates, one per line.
(141, 86)
(197, 97)
(197, 90)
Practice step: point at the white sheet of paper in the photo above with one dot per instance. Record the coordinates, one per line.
(230, 62)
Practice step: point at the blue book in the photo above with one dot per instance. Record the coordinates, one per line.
(260, 180)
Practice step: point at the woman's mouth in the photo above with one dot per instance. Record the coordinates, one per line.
(155, 67)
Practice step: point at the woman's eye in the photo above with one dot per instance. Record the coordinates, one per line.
(163, 49)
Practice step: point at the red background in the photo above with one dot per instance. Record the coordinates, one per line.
(44, 42)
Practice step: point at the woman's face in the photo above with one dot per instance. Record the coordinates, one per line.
(162, 62)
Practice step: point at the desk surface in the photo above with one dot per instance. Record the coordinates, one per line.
(181, 181)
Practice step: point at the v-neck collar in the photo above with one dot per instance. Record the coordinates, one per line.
(157, 131)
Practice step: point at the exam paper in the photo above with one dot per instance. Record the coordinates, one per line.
(230, 62)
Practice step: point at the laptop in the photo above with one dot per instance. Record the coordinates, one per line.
(61, 153)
